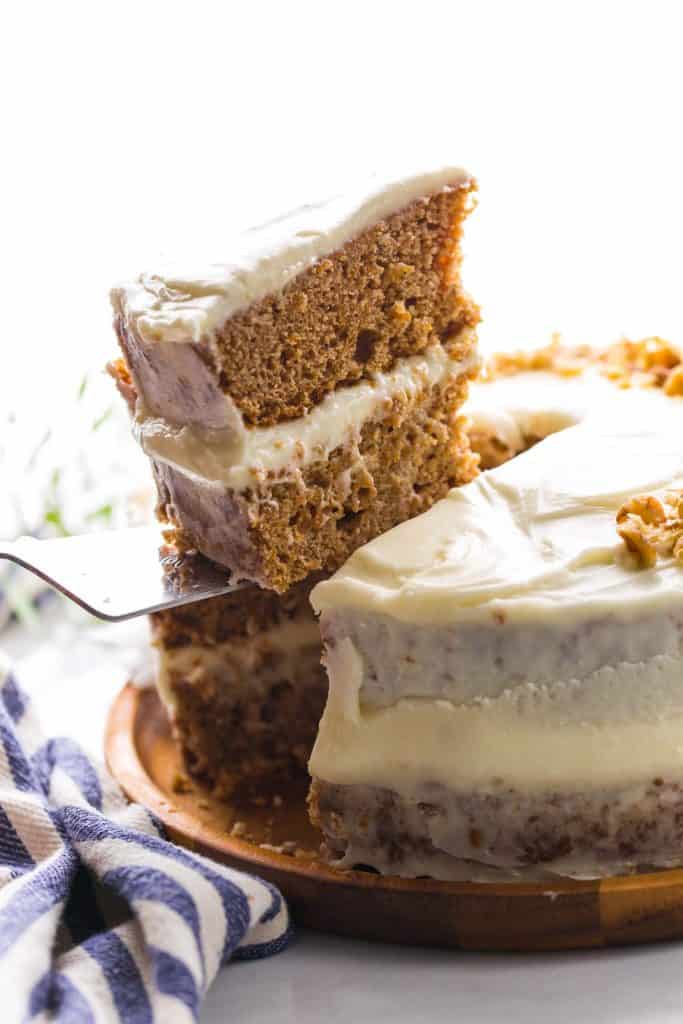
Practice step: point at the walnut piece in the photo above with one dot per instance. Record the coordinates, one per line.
(650, 362)
(651, 525)
(674, 382)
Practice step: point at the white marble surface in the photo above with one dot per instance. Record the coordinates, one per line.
(340, 981)
(74, 669)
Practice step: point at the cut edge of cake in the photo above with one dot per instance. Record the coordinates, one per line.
(303, 399)
(241, 679)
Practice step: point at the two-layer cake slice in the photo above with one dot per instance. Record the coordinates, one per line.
(304, 398)
(294, 403)
(506, 670)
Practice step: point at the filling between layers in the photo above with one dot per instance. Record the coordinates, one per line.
(622, 723)
(237, 457)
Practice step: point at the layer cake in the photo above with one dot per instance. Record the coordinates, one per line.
(506, 670)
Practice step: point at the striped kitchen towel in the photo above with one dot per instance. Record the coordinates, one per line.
(101, 918)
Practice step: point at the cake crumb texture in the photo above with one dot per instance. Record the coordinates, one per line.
(282, 530)
(242, 707)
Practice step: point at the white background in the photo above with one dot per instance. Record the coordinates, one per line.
(135, 130)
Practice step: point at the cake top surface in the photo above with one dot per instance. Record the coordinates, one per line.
(537, 537)
(184, 305)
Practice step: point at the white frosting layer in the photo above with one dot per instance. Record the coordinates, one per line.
(535, 539)
(238, 456)
(464, 663)
(183, 307)
(620, 725)
(534, 404)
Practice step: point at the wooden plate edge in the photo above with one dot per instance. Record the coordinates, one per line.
(125, 765)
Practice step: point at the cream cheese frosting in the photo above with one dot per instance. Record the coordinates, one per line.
(528, 545)
(534, 404)
(619, 725)
(534, 539)
(238, 456)
(180, 306)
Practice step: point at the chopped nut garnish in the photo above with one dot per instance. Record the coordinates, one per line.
(674, 382)
(647, 506)
(651, 525)
(650, 362)
(636, 542)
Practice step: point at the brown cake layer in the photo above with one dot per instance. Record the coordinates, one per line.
(241, 675)
(383, 296)
(589, 833)
(279, 531)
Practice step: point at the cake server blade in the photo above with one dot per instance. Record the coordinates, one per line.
(118, 574)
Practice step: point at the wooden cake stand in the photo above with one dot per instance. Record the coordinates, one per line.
(549, 915)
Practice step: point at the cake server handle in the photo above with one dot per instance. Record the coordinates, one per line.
(118, 574)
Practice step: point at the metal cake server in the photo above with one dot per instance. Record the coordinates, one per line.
(119, 574)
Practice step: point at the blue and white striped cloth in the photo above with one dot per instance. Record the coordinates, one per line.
(101, 919)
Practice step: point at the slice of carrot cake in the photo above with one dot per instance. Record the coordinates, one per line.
(304, 397)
